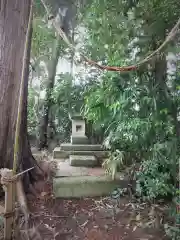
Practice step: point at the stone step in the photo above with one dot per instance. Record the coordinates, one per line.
(84, 181)
(85, 186)
(83, 161)
(58, 153)
(80, 147)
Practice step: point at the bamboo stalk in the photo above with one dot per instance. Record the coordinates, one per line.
(8, 186)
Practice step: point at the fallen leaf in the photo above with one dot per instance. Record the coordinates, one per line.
(43, 194)
(106, 227)
(84, 224)
(134, 228)
(138, 217)
(95, 226)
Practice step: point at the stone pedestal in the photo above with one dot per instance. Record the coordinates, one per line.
(80, 147)
(79, 140)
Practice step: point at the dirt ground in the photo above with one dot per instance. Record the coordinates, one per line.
(90, 218)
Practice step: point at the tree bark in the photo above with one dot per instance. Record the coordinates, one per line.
(43, 143)
(14, 17)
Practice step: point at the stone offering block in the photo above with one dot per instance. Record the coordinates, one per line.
(83, 161)
(86, 186)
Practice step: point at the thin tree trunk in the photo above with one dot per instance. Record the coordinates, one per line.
(13, 26)
(165, 98)
(43, 143)
(72, 55)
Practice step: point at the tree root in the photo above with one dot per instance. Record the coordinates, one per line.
(26, 227)
(21, 198)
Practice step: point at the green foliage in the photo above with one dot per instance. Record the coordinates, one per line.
(68, 98)
(157, 175)
(42, 39)
(135, 109)
(172, 229)
(138, 110)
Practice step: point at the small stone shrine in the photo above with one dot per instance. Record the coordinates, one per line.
(79, 172)
(79, 151)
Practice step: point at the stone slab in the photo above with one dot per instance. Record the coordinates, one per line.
(83, 161)
(79, 140)
(65, 170)
(85, 186)
(58, 153)
(80, 147)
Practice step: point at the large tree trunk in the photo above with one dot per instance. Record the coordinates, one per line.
(14, 17)
(43, 143)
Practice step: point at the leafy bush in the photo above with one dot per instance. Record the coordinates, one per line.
(157, 175)
(172, 229)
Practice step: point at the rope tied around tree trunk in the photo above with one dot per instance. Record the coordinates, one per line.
(9, 214)
(10, 179)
